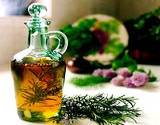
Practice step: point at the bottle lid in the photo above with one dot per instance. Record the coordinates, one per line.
(37, 11)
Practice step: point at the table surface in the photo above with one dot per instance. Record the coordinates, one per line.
(148, 98)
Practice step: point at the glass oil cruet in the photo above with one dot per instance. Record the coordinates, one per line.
(38, 71)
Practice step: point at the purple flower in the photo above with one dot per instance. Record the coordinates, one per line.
(128, 83)
(109, 73)
(118, 80)
(124, 72)
(139, 79)
(97, 72)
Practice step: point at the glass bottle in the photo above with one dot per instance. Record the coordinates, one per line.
(39, 71)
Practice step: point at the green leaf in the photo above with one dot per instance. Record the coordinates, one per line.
(87, 23)
(115, 47)
(125, 61)
(111, 26)
(89, 80)
(117, 64)
(152, 77)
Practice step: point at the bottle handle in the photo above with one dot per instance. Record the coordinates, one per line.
(62, 39)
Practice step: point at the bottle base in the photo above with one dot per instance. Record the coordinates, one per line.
(37, 116)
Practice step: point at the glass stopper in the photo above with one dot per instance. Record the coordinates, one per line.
(37, 10)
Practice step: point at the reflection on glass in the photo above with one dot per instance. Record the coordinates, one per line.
(15, 7)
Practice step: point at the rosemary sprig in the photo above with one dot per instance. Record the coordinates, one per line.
(102, 109)
(37, 94)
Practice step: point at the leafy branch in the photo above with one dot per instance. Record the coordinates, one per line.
(36, 91)
(81, 38)
(100, 109)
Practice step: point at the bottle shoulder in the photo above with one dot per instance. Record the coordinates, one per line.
(22, 54)
(37, 56)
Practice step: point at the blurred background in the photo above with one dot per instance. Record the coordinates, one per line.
(13, 33)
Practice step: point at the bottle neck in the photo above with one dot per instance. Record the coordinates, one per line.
(37, 39)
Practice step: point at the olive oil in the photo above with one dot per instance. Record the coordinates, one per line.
(38, 88)
(39, 71)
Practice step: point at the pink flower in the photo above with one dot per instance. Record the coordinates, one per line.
(97, 72)
(139, 79)
(118, 80)
(109, 73)
(128, 83)
(124, 72)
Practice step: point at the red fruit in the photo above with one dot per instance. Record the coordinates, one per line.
(102, 38)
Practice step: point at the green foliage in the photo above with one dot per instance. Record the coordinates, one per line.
(144, 32)
(86, 23)
(140, 22)
(125, 61)
(89, 80)
(115, 47)
(101, 109)
(81, 39)
(111, 26)
(155, 32)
